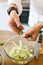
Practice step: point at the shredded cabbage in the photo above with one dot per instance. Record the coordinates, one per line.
(20, 51)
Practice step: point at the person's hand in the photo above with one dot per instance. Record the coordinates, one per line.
(33, 32)
(14, 22)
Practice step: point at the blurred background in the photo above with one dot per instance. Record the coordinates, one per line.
(4, 16)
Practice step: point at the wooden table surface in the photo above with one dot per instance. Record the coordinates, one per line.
(4, 35)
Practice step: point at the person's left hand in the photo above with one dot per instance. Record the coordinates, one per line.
(33, 32)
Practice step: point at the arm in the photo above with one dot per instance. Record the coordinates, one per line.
(40, 25)
(14, 21)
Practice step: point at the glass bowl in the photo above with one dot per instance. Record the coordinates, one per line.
(9, 45)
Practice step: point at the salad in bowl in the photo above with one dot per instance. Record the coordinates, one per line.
(19, 50)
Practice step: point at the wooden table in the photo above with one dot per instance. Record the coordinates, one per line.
(4, 35)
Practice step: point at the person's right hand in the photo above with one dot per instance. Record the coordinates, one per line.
(34, 31)
(14, 22)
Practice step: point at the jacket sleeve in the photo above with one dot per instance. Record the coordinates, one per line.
(40, 18)
(18, 4)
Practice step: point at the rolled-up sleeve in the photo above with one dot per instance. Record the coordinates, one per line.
(18, 4)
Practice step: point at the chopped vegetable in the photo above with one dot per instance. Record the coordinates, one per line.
(21, 32)
(1, 43)
(21, 51)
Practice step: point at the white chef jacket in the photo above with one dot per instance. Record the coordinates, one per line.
(36, 10)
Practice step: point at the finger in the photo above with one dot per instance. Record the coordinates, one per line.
(20, 27)
(16, 19)
(18, 23)
(26, 35)
(15, 29)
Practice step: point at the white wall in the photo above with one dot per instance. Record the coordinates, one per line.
(4, 17)
(3, 0)
(7, 0)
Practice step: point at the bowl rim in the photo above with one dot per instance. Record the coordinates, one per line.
(30, 58)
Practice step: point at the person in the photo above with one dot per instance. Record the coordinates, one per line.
(35, 17)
